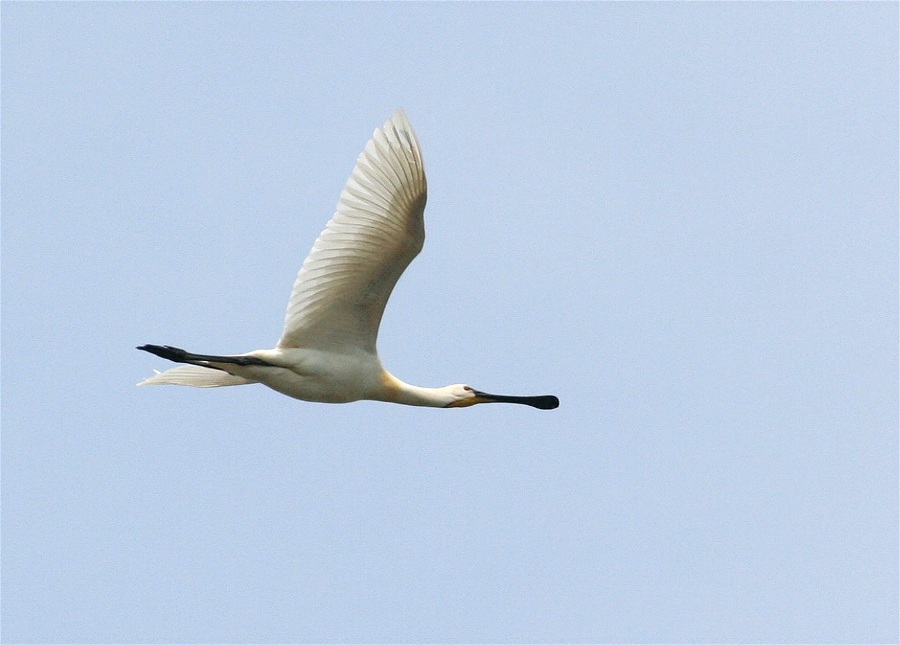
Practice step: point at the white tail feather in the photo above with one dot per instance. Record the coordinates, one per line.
(194, 376)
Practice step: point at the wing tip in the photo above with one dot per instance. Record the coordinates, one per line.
(400, 121)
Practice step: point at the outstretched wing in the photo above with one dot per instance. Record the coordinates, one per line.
(345, 282)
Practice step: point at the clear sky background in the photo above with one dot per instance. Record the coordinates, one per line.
(679, 218)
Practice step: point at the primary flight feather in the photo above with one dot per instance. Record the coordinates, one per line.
(327, 351)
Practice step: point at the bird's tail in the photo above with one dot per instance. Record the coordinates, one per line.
(200, 370)
(195, 376)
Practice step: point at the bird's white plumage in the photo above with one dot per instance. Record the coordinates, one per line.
(327, 350)
(195, 376)
(343, 286)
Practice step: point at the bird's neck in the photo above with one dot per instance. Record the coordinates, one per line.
(396, 391)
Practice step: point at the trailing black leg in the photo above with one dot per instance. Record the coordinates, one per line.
(179, 355)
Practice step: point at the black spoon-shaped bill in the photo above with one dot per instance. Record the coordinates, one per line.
(544, 402)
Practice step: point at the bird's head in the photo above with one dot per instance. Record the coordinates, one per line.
(462, 396)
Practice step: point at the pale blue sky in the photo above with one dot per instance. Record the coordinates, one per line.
(679, 218)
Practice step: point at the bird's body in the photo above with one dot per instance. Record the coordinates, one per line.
(327, 352)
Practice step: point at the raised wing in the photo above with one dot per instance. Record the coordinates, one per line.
(345, 282)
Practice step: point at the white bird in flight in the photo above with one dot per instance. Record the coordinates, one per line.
(327, 351)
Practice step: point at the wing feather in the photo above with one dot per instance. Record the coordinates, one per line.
(378, 228)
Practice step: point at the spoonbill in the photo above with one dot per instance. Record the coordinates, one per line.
(327, 350)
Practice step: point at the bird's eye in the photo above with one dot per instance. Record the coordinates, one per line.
(467, 388)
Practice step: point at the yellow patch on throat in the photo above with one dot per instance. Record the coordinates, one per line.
(464, 403)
